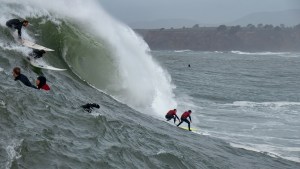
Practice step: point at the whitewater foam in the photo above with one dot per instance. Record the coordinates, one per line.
(264, 104)
(260, 53)
(13, 152)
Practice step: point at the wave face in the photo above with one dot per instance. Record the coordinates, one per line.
(109, 55)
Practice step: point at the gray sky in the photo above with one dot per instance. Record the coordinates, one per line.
(203, 11)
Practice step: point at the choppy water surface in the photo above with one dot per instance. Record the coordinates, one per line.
(248, 99)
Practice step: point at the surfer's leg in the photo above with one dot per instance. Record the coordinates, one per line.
(174, 119)
(180, 122)
(189, 124)
(168, 117)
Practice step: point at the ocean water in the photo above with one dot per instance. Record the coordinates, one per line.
(251, 100)
(109, 64)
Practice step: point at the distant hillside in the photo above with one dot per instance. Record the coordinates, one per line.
(163, 23)
(223, 38)
(289, 17)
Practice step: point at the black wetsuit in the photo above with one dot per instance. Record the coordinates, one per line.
(89, 107)
(25, 80)
(169, 117)
(37, 53)
(15, 24)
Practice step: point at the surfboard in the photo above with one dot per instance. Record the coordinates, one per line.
(30, 44)
(33, 45)
(41, 64)
(187, 128)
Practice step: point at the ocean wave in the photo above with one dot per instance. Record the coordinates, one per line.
(260, 53)
(269, 150)
(264, 104)
(125, 69)
(182, 51)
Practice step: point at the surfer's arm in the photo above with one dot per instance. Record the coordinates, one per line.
(177, 117)
(19, 28)
(190, 118)
(19, 33)
(33, 86)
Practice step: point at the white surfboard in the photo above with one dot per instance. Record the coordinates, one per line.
(40, 63)
(30, 44)
(33, 45)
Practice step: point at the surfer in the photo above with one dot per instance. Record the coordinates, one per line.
(89, 107)
(41, 83)
(172, 115)
(17, 24)
(37, 53)
(18, 76)
(184, 117)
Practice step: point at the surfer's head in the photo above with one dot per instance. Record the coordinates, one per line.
(16, 71)
(25, 23)
(40, 81)
(175, 110)
(190, 111)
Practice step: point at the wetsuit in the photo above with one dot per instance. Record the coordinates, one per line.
(24, 80)
(37, 53)
(184, 117)
(45, 87)
(15, 24)
(89, 107)
(42, 84)
(172, 115)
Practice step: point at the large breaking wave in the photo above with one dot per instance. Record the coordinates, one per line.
(102, 51)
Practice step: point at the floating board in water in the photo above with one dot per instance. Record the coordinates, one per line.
(29, 44)
(41, 64)
(186, 128)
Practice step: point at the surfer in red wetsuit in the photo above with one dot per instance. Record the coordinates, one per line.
(41, 83)
(172, 115)
(184, 117)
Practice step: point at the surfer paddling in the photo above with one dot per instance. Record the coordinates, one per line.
(172, 115)
(19, 76)
(89, 107)
(17, 24)
(37, 53)
(41, 83)
(184, 117)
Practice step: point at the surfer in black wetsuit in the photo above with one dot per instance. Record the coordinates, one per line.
(17, 24)
(18, 76)
(37, 53)
(89, 107)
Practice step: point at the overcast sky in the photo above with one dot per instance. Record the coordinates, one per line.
(204, 11)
